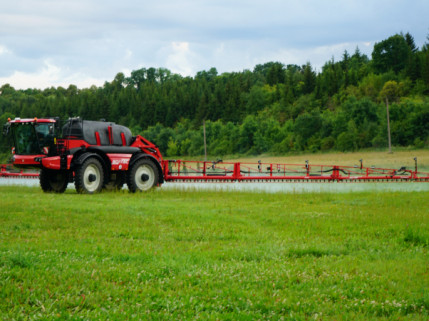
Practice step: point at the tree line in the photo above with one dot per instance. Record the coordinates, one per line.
(275, 108)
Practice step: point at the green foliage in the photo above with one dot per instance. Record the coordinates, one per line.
(275, 108)
(172, 148)
(391, 54)
(348, 140)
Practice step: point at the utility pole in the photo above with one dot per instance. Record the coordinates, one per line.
(205, 143)
(388, 126)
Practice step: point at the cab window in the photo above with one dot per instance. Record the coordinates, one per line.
(25, 140)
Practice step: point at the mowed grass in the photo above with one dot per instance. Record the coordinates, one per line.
(175, 255)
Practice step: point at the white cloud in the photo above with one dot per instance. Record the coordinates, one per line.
(181, 59)
(4, 50)
(47, 76)
(128, 54)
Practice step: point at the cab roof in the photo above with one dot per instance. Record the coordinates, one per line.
(31, 120)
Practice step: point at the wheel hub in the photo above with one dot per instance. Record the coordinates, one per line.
(92, 178)
(144, 177)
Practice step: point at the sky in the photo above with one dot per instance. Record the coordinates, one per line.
(45, 43)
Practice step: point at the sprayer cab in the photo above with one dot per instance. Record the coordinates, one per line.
(32, 139)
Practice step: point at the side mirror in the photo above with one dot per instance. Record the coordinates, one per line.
(6, 129)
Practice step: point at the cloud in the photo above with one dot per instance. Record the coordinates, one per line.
(51, 42)
(181, 59)
(47, 76)
(4, 50)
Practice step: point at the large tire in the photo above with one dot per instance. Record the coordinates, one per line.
(142, 176)
(53, 181)
(89, 177)
(116, 182)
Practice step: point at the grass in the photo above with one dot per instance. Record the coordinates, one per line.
(213, 255)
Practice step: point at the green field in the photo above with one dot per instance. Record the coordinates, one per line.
(175, 255)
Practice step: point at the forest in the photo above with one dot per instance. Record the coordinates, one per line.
(276, 108)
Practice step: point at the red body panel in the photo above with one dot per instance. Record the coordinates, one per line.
(27, 160)
(147, 147)
(119, 162)
(71, 143)
(54, 162)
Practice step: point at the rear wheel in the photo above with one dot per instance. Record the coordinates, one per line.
(89, 176)
(53, 181)
(142, 176)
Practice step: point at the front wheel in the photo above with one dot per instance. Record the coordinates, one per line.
(53, 180)
(89, 176)
(142, 176)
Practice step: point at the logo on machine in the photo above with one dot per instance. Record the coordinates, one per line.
(119, 161)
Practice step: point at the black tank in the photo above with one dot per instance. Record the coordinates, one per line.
(86, 129)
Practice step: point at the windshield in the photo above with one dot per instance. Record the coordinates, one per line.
(32, 138)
